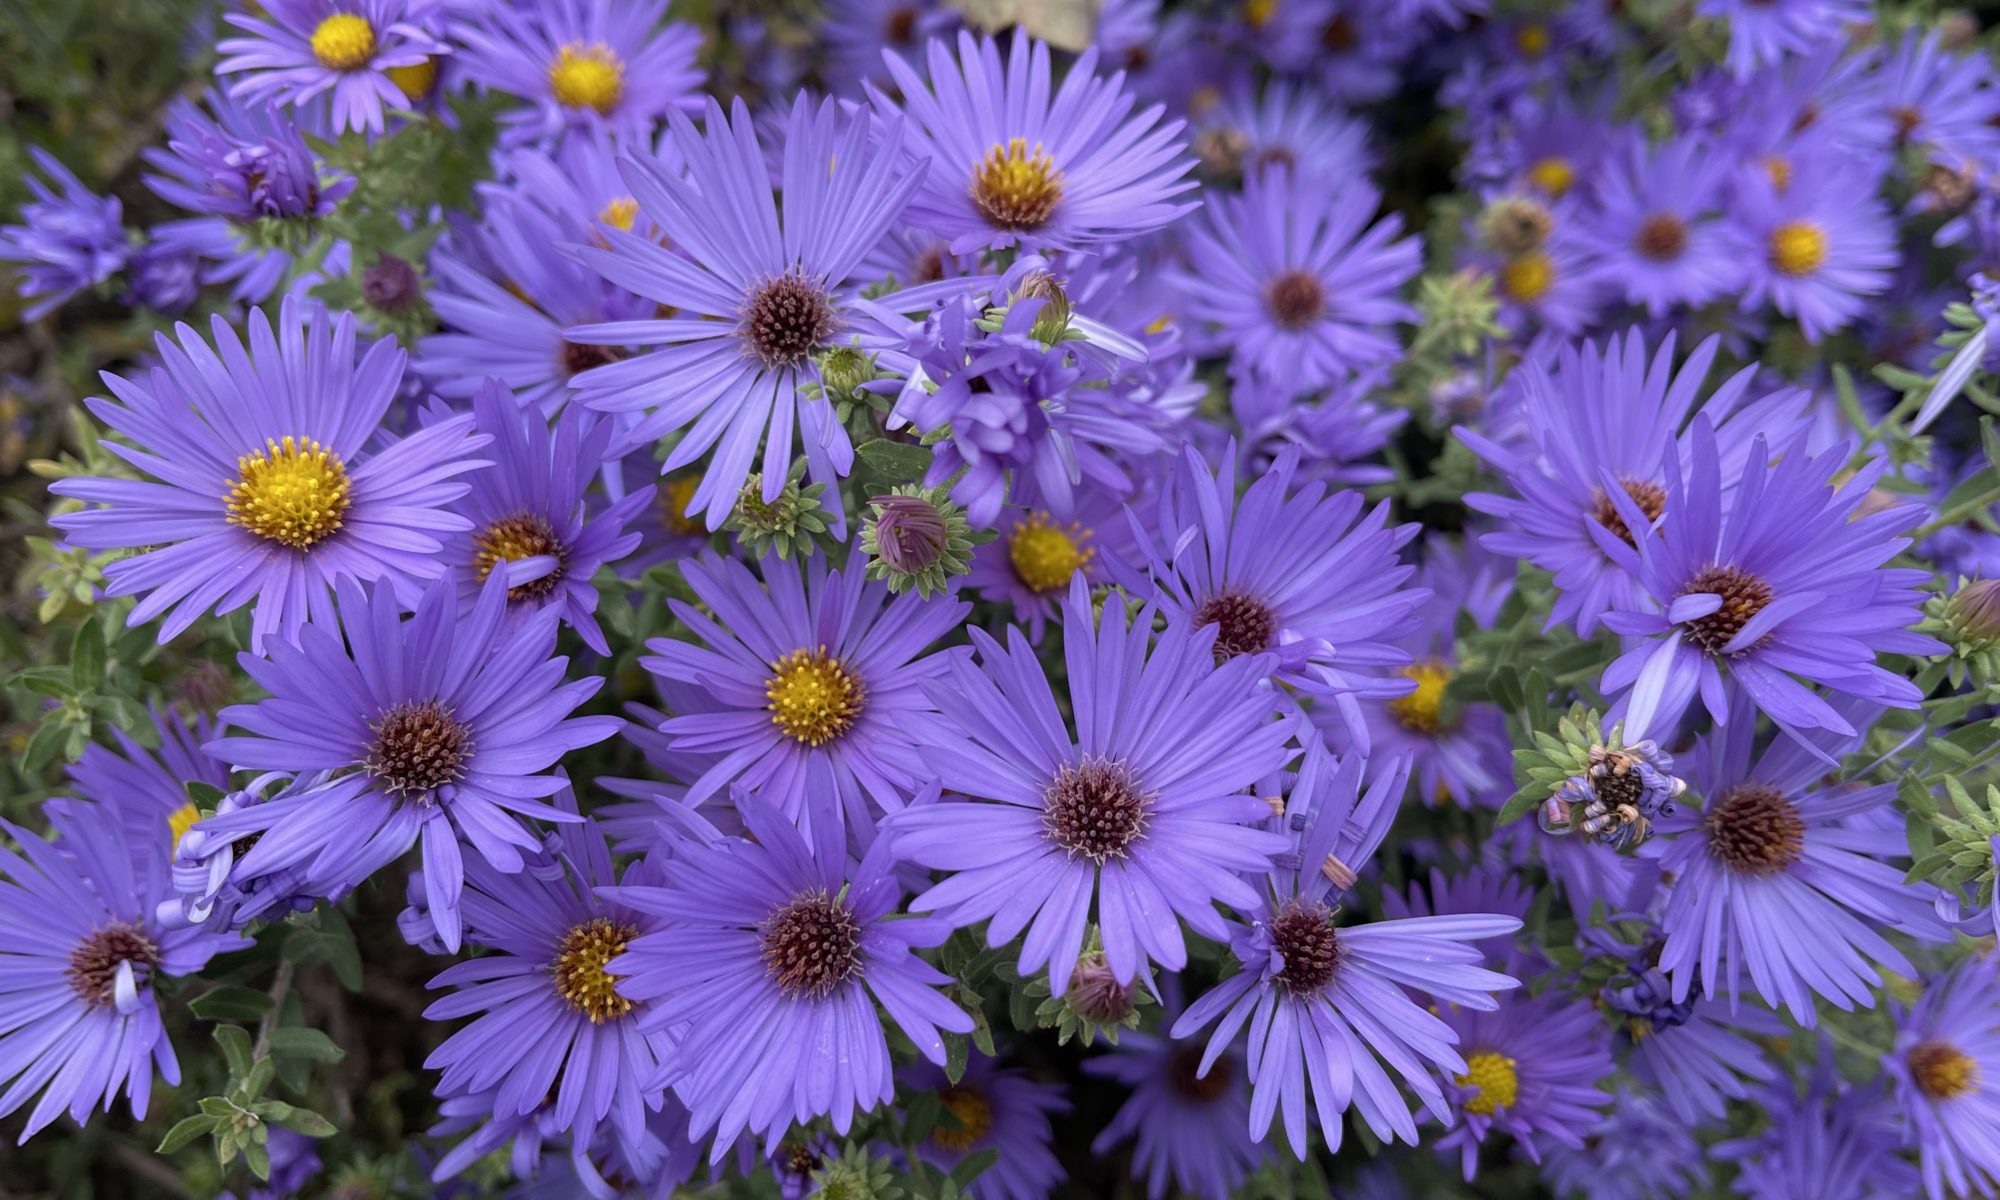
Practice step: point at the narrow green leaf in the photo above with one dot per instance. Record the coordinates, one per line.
(971, 1165)
(184, 1131)
(235, 1045)
(86, 655)
(301, 1042)
(231, 1002)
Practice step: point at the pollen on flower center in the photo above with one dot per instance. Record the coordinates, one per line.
(1303, 934)
(1418, 711)
(1017, 188)
(620, 213)
(1295, 299)
(812, 945)
(673, 500)
(293, 492)
(587, 77)
(1743, 597)
(581, 979)
(1045, 555)
(975, 1119)
(1650, 497)
(1798, 248)
(1495, 1078)
(1553, 175)
(419, 747)
(1754, 829)
(511, 539)
(1244, 624)
(181, 820)
(1095, 809)
(813, 697)
(786, 319)
(1528, 277)
(343, 41)
(416, 80)
(93, 965)
(1663, 237)
(1941, 1070)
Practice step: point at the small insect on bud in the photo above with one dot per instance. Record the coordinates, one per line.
(1515, 225)
(390, 285)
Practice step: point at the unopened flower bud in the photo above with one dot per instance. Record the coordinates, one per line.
(909, 533)
(390, 285)
(1052, 322)
(1975, 609)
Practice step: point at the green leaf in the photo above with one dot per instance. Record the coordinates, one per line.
(204, 796)
(298, 1120)
(920, 1116)
(86, 655)
(231, 1002)
(46, 743)
(1915, 796)
(899, 462)
(235, 1045)
(184, 1131)
(957, 1051)
(971, 1165)
(53, 682)
(302, 1042)
(259, 1160)
(258, 1078)
(1521, 803)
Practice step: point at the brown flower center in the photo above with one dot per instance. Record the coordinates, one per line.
(1303, 933)
(1650, 497)
(1754, 829)
(1295, 299)
(974, 1115)
(1202, 1089)
(1663, 237)
(1743, 597)
(511, 539)
(1095, 809)
(786, 319)
(419, 746)
(1244, 625)
(1941, 1070)
(93, 965)
(812, 945)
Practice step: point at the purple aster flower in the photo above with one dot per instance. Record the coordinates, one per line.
(1939, 99)
(247, 163)
(595, 1161)
(1824, 242)
(1140, 813)
(816, 684)
(164, 277)
(1478, 889)
(1779, 581)
(855, 36)
(1327, 1006)
(529, 513)
(80, 952)
(1776, 878)
(760, 297)
(1638, 1150)
(1309, 578)
(1946, 1068)
(297, 49)
(265, 487)
(551, 1027)
(441, 727)
(1335, 432)
(1017, 160)
(1299, 278)
(1763, 33)
(70, 239)
(1354, 48)
(1654, 230)
(1532, 1067)
(1553, 286)
(505, 293)
(147, 787)
(1018, 418)
(1609, 411)
(1834, 1142)
(997, 1108)
(1288, 124)
(211, 890)
(1190, 1128)
(1036, 555)
(773, 960)
(583, 65)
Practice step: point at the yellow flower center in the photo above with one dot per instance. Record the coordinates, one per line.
(581, 979)
(587, 77)
(1258, 13)
(975, 1119)
(674, 499)
(813, 698)
(343, 42)
(1798, 247)
(1532, 40)
(1942, 1071)
(1529, 277)
(1553, 175)
(181, 820)
(1046, 556)
(293, 493)
(1017, 188)
(511, 539)
(1418, 711)
(1493, 1075)
(620, 213)
(414, 81)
